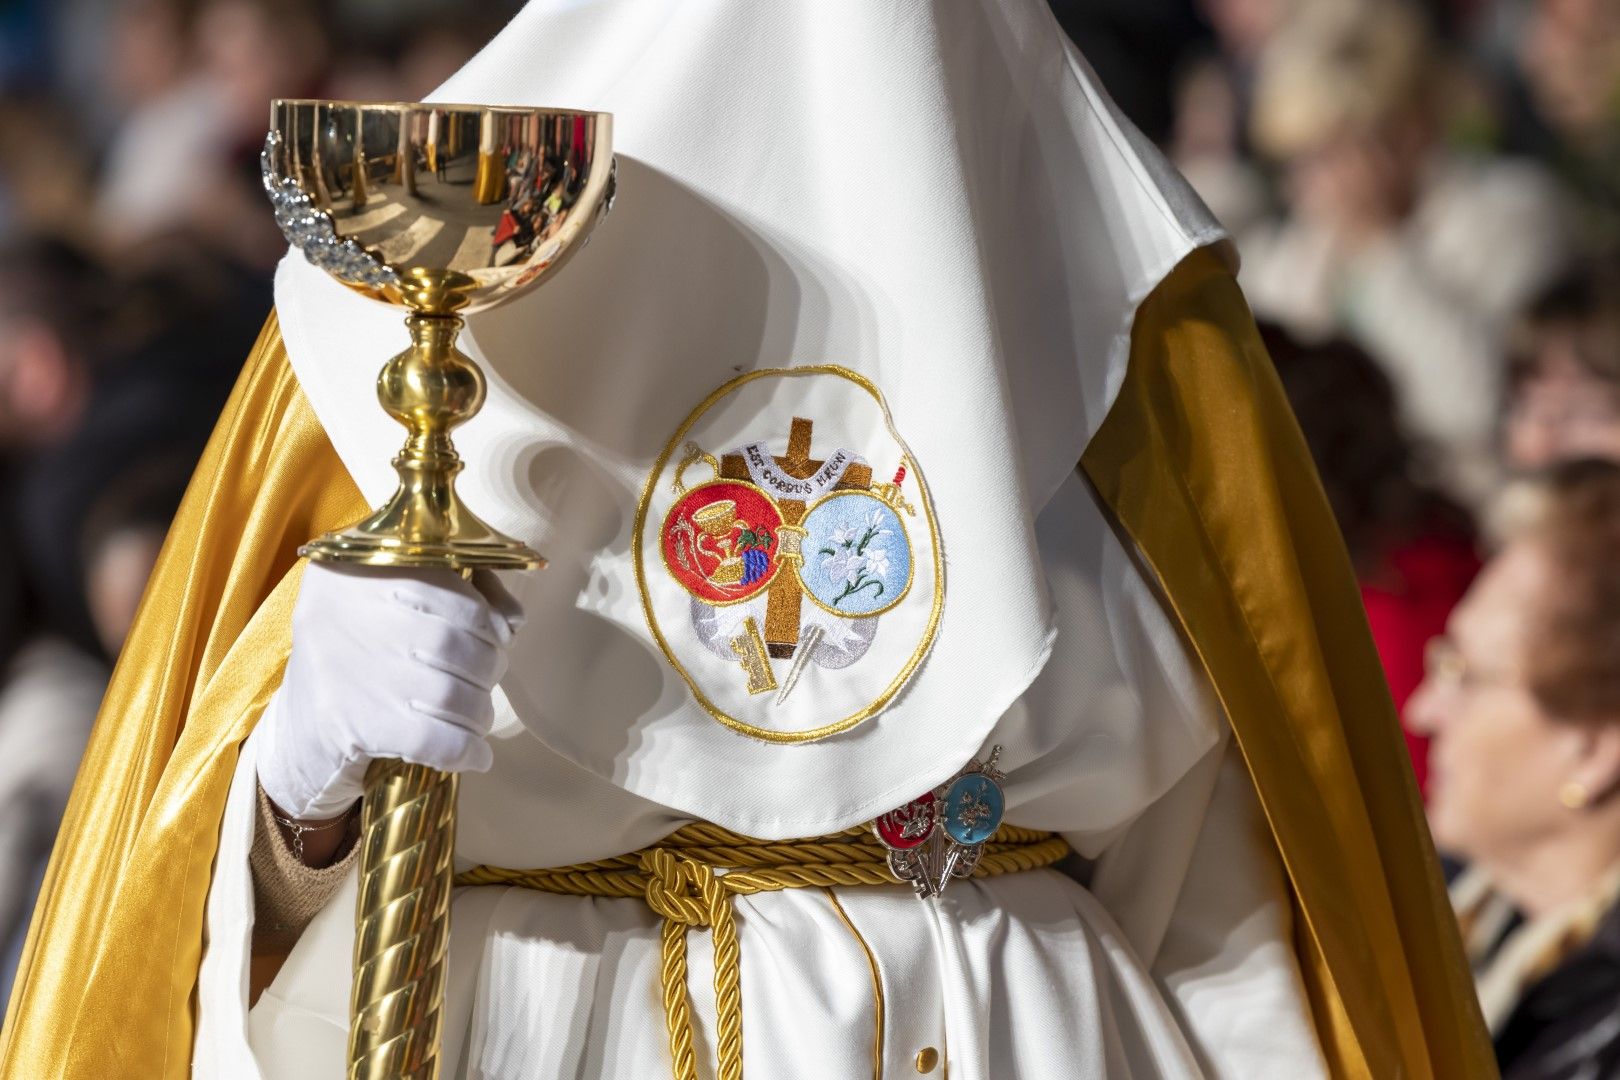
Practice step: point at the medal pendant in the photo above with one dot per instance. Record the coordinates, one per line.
(941, 834)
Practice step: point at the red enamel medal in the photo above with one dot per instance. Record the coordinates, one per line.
(908, 826)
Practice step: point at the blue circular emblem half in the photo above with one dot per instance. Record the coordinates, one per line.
(973, 809)
(857, 555)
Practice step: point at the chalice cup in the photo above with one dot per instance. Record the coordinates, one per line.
(717, 520)
(440, 210)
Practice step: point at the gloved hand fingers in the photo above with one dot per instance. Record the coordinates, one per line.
(386, 663)
(443, 648)
(500, 598)
(452, 600)
(449, 700)
(480, 668)
(443, 744)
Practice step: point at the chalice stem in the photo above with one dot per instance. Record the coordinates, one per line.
(431, 388)
(402, 922)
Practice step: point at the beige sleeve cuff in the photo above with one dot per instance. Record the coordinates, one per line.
(287, 895)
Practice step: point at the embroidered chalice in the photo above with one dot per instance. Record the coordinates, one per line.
(718, 520)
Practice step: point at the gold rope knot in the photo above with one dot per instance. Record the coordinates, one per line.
(681, 890)
(689, 894)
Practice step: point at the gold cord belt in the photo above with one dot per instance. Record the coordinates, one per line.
(691, 875)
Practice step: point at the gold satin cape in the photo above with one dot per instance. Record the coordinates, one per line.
(1200, 463)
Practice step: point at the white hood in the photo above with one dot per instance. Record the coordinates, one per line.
(919, 226)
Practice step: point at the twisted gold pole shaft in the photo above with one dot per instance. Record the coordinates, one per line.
(402, 922)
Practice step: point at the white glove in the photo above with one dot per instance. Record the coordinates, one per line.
(385, 663)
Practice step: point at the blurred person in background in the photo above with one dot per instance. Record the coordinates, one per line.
(186, 157)
(1209, 140)
(98, 371)
(55, 304)
(1563, 399)
(1568, 52)
(1522, 702)
(1418, 253)
(1412, 547)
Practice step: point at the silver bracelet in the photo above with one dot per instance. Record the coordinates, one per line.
(299, 829)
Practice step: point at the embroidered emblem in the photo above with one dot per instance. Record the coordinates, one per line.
(941, 834)
(788, 557)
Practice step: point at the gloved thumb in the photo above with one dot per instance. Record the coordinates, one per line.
(500, 598)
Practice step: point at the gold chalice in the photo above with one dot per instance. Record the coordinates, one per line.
(717, 519)
(441, 210)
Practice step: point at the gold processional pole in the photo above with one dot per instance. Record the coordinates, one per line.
(486, 203)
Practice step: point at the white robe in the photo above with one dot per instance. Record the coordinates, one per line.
(1177, 961)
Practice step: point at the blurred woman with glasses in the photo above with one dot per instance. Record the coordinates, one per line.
(1522, 703)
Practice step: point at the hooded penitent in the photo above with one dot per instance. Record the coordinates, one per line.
(879, 276)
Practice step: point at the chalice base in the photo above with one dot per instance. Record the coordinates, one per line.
(379, 540)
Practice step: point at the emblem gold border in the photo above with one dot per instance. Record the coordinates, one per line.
(930, 630)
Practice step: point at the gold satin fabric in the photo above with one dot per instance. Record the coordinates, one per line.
(108, 972)
(1201, 462)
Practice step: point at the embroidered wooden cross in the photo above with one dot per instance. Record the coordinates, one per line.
(786, 595)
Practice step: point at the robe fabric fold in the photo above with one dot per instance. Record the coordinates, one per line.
(1201, 466)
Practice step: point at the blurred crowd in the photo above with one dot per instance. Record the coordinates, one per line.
(136, 254)
(1426, 198)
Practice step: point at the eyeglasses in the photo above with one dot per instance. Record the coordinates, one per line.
(1444, 663)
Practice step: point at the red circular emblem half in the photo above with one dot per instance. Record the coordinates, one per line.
(722, 541)
(905, 827)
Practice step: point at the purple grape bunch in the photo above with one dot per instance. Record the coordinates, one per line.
(755, 547)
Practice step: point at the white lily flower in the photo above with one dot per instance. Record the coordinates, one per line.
(846, 565)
